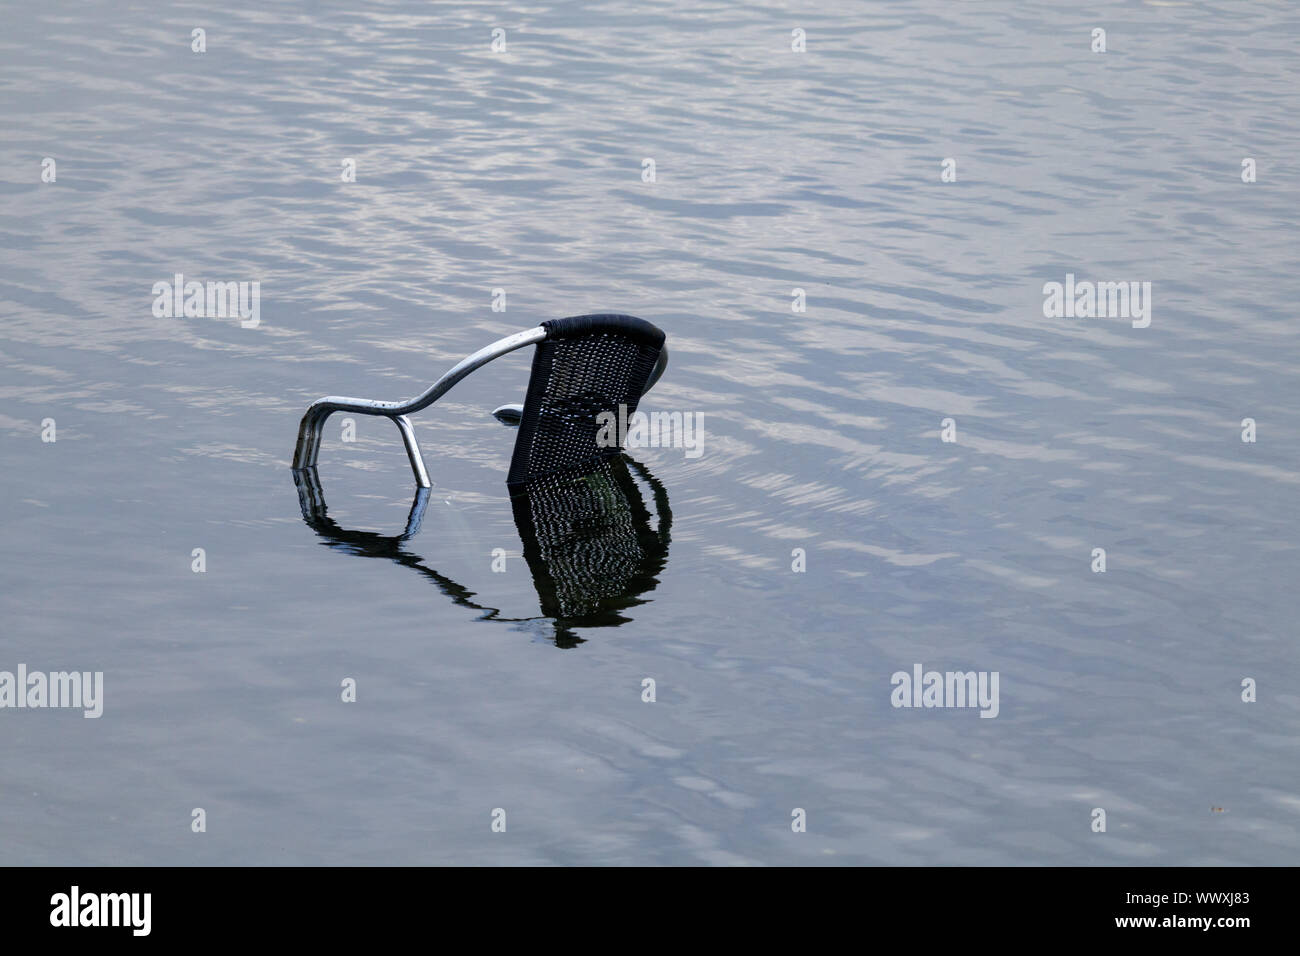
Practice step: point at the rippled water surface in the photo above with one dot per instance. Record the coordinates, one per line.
(775, 170)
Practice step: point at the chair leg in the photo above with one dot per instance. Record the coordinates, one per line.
(413, 450)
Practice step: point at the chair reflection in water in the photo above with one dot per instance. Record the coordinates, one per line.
(591, 545)
(587, 534)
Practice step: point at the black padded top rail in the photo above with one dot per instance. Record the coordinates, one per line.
(587, 364)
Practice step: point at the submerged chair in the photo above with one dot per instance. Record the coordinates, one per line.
(584, 365)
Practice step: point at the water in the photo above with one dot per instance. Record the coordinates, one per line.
(775, 170)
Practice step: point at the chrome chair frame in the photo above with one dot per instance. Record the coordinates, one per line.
(313, 422)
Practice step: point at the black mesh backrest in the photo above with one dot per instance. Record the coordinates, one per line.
(587, 364)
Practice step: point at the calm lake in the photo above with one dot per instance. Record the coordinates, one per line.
(844, 217)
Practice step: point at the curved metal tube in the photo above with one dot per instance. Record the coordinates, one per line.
(413, 451)
(309, 431)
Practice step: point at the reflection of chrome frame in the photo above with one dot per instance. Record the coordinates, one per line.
(311, 499)
(309, 432)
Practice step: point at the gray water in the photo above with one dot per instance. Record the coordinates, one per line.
(775, 170)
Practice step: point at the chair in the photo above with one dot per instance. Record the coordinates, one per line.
(583, 365)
